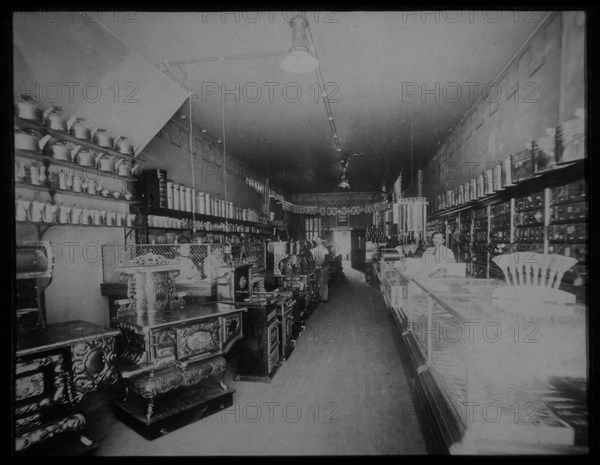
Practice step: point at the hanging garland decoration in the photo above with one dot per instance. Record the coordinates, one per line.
(332, 210)
(321, 210)
(262, 189)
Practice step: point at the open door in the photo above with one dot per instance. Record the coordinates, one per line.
(357, 249)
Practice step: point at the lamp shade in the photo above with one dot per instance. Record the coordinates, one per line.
(300, 59)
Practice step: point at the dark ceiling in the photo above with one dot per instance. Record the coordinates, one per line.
(372, 60)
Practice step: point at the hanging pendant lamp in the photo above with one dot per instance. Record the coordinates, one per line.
(300, 59)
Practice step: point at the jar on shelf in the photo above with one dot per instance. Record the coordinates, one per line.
(207, 204)
(182, 197)
(194, 201)
(201, 206)
(170, 194)
(176, 197)
(187, 198)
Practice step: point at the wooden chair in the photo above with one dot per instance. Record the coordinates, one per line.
(533, 279)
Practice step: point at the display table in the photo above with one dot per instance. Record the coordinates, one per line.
(54, 371)
(169, 360)
(488, 380)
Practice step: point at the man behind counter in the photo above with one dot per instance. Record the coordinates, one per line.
(434, 260)
(439, 253)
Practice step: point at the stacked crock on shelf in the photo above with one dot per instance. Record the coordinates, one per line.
(56, 156)
(175, 206)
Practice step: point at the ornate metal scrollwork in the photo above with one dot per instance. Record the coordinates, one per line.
(93, 365)
(71, 423)
(198, 338)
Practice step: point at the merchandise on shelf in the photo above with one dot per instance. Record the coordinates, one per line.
(522, 166)
(570, 140)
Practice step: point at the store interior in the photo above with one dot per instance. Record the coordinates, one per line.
(300, 233)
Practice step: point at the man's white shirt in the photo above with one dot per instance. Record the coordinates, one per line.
(441, 254)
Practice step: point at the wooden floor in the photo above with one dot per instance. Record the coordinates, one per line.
(343, 391)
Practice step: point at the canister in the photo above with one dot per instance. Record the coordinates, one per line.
(489, 180)
(200, 203)
(176, 188)
(207, 204)
(480, 186)
(506, 173)
(497, 177)
(169, 194)
(188, 199)
(182, 197)
(194, 202)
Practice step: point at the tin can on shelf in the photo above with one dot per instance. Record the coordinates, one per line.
(473, 189)
(507, 173)
(176, 197)
(187, 198)
(182, 189)
(479, 186)
(170, 194)
(489, 181)
(207, 204)
(200, 203)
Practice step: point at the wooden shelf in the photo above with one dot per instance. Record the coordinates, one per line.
(53, 191)
(48, 159)
(42, 223)
(202, 217)
(26, 124)
(184, 230)
(564, 174)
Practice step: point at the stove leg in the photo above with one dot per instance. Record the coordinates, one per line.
(124, 390)
(150, 409)
(222, 382)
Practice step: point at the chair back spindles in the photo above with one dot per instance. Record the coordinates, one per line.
(540, 270)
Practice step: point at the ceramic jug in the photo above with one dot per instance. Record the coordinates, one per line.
(76, 215)
(110, 218)
(120, 219)
(22, 210)
(77, 183)
(130, 219)
(92, 186)
(37, 210)
(105, 163)
(100, 217)
(20, 171)
(85, 216)
(65, 181)
(63, 214)
(50, 213)
(34, 175)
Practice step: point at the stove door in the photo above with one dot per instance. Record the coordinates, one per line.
(200, 340)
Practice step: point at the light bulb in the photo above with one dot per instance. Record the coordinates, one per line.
(299, 61)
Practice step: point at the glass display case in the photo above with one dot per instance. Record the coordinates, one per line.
(495, 381)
